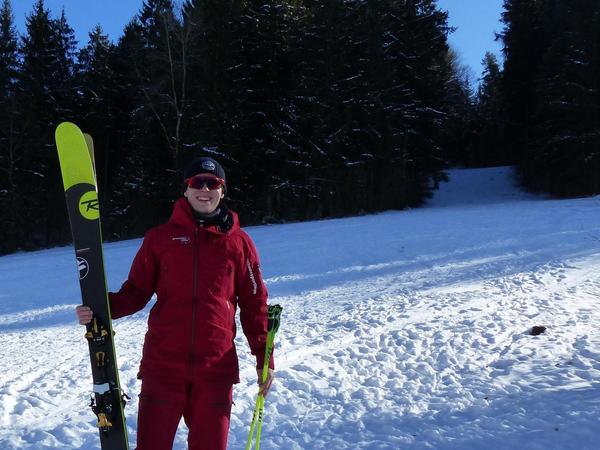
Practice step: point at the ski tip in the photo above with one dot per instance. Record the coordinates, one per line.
(74, 157)
(66, 126)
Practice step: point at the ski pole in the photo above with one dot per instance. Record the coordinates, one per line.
(274, 314)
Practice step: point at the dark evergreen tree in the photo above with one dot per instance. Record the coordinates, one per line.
(161, 65)
(263, 83)
(488, 147)
(524, 43)
(46, 94)
(153, 72)
(243, 82)
(322, 52)
(216, 42)
(420, 105)
(8, 49)
(10, 133)
(564, 153)
(372, 71)
(550, 93)
(100, 98)
(460, 122)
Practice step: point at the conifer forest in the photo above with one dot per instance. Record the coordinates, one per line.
(316, 109)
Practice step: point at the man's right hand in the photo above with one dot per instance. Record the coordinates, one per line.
(84, 314)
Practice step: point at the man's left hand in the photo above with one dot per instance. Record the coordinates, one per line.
(263, 388)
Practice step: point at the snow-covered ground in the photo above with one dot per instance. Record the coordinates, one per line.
(401, 330)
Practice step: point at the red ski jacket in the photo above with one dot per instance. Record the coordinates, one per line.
(200, 275)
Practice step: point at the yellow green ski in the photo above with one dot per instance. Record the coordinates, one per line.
(75, 154)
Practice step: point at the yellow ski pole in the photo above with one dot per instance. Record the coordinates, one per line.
(274, 315)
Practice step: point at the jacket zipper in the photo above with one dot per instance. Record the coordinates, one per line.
(194, 299)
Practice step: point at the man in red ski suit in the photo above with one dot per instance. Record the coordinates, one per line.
(202, 266)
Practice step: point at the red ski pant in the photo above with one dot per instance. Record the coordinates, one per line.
(205, 407)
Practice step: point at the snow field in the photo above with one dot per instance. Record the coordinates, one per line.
(402, 330)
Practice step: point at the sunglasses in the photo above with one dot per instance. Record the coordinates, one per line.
(210, 181)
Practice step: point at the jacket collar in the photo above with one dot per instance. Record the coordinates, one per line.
(182, 215)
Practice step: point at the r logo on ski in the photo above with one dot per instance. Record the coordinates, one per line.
(88, 205)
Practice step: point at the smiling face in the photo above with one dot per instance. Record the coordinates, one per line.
(204, 200)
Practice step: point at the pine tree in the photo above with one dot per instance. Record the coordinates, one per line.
(152, 68)
(100, 98)
(422, 109)
(10, 204)
(565, 150)
(489, 148)
(262, 104)
(216, 42)
(550, 90)
(241, 94)
(459, 132)
(161, 65)
(8, 49)
(325, 102)
(46, 93)
(524, 42)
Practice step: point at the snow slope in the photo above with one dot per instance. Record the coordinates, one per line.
(402, 330)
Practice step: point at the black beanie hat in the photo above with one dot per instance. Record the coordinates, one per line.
(203, 164)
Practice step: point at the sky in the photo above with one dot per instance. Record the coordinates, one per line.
(84, 15)
(476, 21)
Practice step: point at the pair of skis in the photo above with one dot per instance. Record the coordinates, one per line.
(75, 152)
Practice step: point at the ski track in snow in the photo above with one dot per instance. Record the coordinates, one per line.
(402, 330)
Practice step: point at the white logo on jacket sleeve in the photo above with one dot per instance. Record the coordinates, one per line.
(182, 239)
(252, 279)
